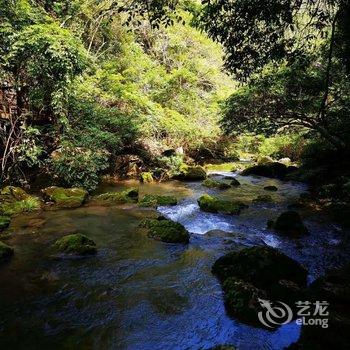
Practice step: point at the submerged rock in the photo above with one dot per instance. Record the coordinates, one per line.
(272, 170)
(146, 177)
(214, 205)
(113, 198)
(165, 230)
(150, 200)
(289, 223)
(271, 188)
(4, 222)
(258, 273)
(14, 200)
(75, 244)
(65, 197)
(6, 252)
(215, 184)
(263, 199)
(192, 173)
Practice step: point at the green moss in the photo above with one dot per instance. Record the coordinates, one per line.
(165, 230)
(214, 205)
(192, 173)
(15, 192)
(263, 199)
(210, 183)
(124, 197)
(4, 222)
(150, 200)
(65, 197)
(289, 223)
(5, 252)
(221, 167)
(75, 244)
(14, 200)
(146, 177)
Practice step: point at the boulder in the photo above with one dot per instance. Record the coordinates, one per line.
(235, 183)
(264, 160)
(150, 200)
(289, 223)
(114, 198)
(256, 273)
(6, 252)
(242, 299)
(4, 222)
(264, 267)
(210, 183)
(272, 170)
(128, 165)
(192, 173)
(286, 161)
(265, 198)
(65, 197)
(271, 188)
(14, 200)
(75, 244)
(214, 205)
(146, 177)
(165, 230)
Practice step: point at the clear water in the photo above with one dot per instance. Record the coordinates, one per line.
(138, 293)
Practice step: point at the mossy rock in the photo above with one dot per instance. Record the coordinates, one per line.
(192, 173)
(166, 230)
(242, 299)
(146, 177)
(272, 170)
(16, 193)
(264, 160)
(6, 252)
(4, 222)
(65, 197)
(289, 223)
(214, 205)
(75, 244)
(263, 199)
(261, 266)
(150, 200)
(271, 188)
(210, 183)
(14, 200)
(113, 198)
(258, 273)
(235, 183)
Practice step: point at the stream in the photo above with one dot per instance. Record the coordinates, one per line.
(138, 293)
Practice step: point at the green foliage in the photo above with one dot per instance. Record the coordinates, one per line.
(79, 167)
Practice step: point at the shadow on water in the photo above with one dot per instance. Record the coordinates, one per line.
(138, 293)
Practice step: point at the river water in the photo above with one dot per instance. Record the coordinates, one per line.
(137, 293)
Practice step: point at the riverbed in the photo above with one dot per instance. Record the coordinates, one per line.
(138, 293)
